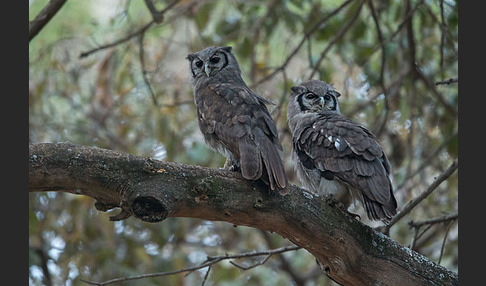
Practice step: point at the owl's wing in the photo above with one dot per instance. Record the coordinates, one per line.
(243, 122)
(350, 153)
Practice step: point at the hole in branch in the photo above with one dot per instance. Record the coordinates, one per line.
(149, 209)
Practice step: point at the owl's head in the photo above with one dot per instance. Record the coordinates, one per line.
(313, 96)
(211, 61)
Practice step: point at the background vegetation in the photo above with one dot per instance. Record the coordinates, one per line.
(394, 62)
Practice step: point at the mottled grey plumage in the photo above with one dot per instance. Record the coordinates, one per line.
(234, 120)
(336, 156)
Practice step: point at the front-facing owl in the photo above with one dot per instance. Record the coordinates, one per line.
(336, 156)
(234, 120)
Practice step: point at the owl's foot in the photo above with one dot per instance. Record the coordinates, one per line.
(333, 201)
(231, 165)
(348, 213)
(232, 168)
(353, 215)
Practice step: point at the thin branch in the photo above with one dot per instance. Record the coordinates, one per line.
(336, 38)
(411, 204)
(129, 36)
(381, 39)
(444, 241)
(206, 276)
(119, 41)
(44, 16)
(418, 235)
(429, 223)
(447, 81)
(211, 260)
(251, 266)
(443, 27)
(436, 220)
(157, 16)
(425, 163)
(408, 16)
(304, 39)
(144, 71)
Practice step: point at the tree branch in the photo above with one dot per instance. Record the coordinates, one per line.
(155, 20)
(348, 251)
(413, 203)
(210, 260)
(44, 16)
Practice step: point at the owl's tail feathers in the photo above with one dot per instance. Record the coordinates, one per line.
(275, 168)
(250, 160)
(264, 162)
(379, 211)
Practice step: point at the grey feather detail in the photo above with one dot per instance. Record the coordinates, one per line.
(250, 160)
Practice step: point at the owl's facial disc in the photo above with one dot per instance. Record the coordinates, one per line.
(213, 65)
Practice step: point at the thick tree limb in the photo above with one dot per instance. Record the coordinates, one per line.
(348, 251)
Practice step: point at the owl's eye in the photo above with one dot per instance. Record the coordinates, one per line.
(214, 60)
(199, 63)
(327, 97)
(310, 96)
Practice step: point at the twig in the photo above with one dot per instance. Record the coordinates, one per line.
(429, 223)
(444, 241)
(418, 235)
(306, 36)
(407, 17)
(425, 163)
(381, 39)
(447, 81)
(119, 41)
(414, 202)
(206, 276)
(251, 266)
(129, 36)
(334, 40)
(211, 260)
(144, 71)
(156, 15)
(44, 16)
(444, 218)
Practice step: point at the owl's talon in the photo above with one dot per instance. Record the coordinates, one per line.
(232, 168)
(348, 213)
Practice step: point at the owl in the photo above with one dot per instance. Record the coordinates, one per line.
(335, 156)
(234, 120)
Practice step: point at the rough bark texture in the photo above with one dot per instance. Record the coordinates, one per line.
(348, 251)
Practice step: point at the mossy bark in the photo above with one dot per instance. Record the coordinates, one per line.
(348, 251)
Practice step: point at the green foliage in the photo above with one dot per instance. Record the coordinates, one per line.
(387, 81)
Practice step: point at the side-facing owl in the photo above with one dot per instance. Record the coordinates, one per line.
(336, 156)
(234, 120)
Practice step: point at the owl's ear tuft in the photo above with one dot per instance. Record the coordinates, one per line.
(227, 49)
(335, 93)
(298, 89)
(191, 57)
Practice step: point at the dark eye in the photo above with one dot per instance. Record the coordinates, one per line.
(199, 63)
(214, 60)
(327, 97)
(310, 96)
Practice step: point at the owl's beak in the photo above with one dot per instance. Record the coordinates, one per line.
(207, 70)
(322, 101)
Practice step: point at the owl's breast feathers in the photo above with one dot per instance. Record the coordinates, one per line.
(238, 119)
(333, 143)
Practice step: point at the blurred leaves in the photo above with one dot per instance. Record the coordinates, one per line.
(386, 80)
